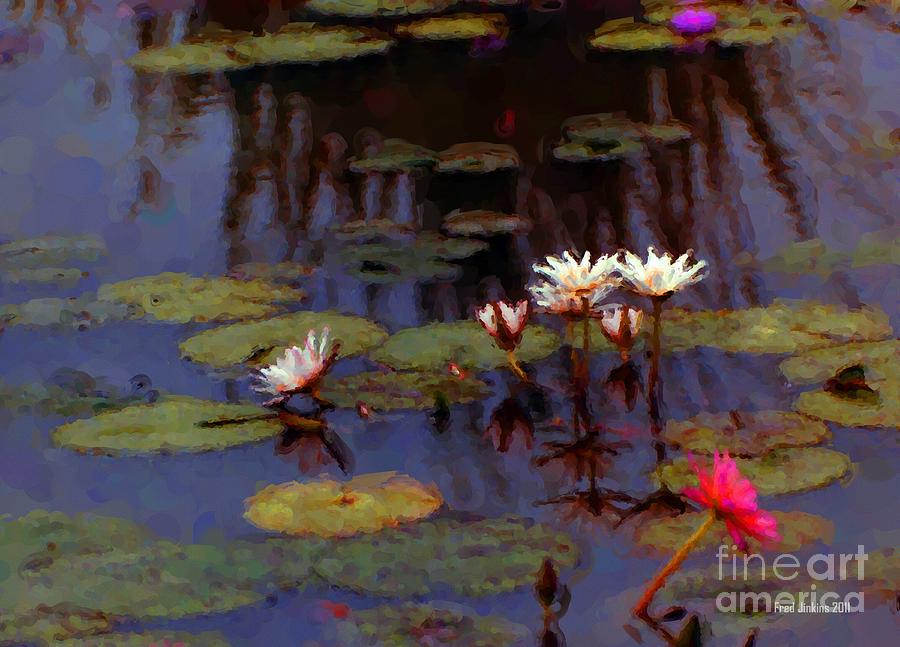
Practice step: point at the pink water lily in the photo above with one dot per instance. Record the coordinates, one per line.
(733, 498)
(504, 322)
(694, 21)
(621, 324)
(299, 369)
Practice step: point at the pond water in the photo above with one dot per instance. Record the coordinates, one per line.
(789, 143)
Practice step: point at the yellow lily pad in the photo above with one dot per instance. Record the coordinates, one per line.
(745, 433)
(172, 424)
(666, 535)
(879, 358)
(585, 151)
(144, 638)
(470, 558)
(387, 391)
(327, 508)
(478, 157)
(433, 624)
(434, 346)
(181, 298)
(377, 8)
(262, 342)
(782, 471)
(460, 26)
(396, 155)
(297, 43)
(629, 36)
(850, 412)
(482, 222)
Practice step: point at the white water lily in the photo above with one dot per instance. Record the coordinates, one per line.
(299, 368)
(621, 324)
(572, 282)
(660, 275)
(504, 322)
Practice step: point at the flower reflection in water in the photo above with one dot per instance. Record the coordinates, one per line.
(315, 445)
(510, 422)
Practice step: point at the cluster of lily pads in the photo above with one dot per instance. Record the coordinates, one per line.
(86, 580)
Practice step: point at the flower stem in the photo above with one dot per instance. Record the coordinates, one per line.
(640, 609)
(515, 366)
(586, 333)
(655, 356)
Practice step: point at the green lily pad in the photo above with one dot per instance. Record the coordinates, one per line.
(379, 230)
(182, 298)
(434, 346)
(670, 132)
(601, 128)
(262, 342)
(848, 412)
(469, 558)
(285, 272)
(434, 624)
(782, 471)
(814, 256)
(460, 26)
(877, 248)
(666, 535)
(297, 43)
(169, 425)
(478, 157)
(577, 152)
(402, 390)
(482, 222)
(148, 638)
(377, 8)
(47, 251)
(68, 578)
(80, 312)
(396, 155)
(49, 399)
(880, 359)
(327, 508)
(401, 258)
(745, 433)
(59, 276)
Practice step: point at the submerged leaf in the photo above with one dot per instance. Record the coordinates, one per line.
(170, 425)
(473, 558)
(433, 624)
(666, 535)
(782, 471)
(745, 433)
(327, 508)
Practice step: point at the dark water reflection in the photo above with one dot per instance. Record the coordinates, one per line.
(201, 173)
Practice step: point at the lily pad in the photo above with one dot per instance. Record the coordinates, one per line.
(377, 8)
(51, 399)
(261, 342)
(149, 639)
(373, 231)
(601, 128)
(578, 152)
(80, 312)
(171, 425)
(297, 43)
(377, 263)
(628, 36)
(327, 508)
(482, 222)
(474, 558)
(849, 412)
(396, 155)
(880, 359)
(402, 390)
(745, 433)
(668, 534)
(285, 272)
(182, 298)
(59, 276)
(460, 26)
(670, 132)
(478, 157)
(434, 624)
(434, 346)
(782, 471)
(52, 250)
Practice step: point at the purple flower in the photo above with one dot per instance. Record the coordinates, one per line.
(694, 21)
